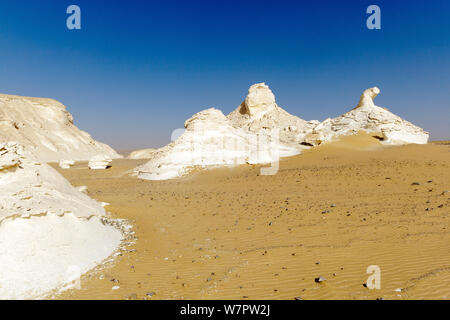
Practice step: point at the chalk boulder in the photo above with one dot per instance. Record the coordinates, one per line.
(99, 162)
(66, 164)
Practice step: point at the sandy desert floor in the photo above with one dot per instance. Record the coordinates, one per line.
(234, 234)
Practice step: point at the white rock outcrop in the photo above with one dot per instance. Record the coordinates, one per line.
(50, 233)
(99, 162)
(45, 128)
(369, 118)
(142, 154)
(259, 111)
(258, 132)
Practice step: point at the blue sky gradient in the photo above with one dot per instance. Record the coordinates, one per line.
(138, 69)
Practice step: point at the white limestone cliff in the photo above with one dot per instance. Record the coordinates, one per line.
(49, 231)
(45, 128)
(368, 117)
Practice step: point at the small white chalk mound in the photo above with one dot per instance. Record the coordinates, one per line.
(66, 164)
(99, 162)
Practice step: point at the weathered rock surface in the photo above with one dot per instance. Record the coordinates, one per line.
(49, 231)
(45, 128)
(369, 118)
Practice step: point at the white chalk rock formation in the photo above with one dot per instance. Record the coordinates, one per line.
(258, 132)
(50, 233)
(66, 164)
(369, 118)
(45, 128)
(259, 111)
(99, 162)
(142, 154)
(209, 140)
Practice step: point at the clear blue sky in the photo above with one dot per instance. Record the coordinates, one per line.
(138, 69)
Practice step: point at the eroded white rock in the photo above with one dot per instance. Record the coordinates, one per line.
(259, 112)
(368, 117)
(48, 229)
(257, 132)
(45, 128)
(99, 162)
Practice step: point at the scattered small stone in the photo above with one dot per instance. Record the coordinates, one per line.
(298, 298)
(115, 288)
(380, 298)
(440, 206)
(415, 184)
(320, 279)
(150, 294)
(209, 279)
(325, 211)
(333, 205)
(398, 290)
(429, 181)
(427, 209)
(365, 285)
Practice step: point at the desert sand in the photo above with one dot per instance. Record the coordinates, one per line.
(232, 233)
